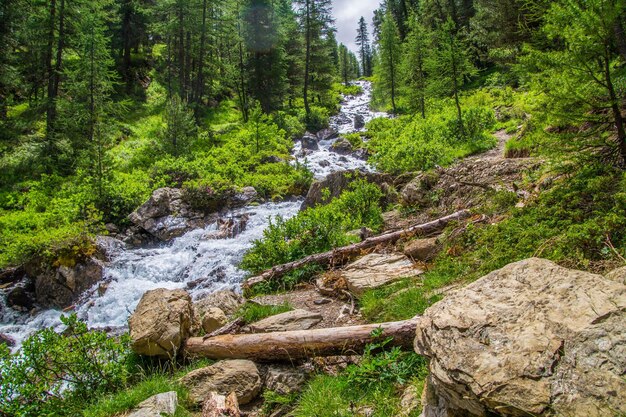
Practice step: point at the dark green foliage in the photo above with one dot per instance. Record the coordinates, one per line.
(316, 229)
(58, 373)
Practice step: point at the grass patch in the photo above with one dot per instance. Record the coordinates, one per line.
(252, 312)
(128, 399)
(375, 384)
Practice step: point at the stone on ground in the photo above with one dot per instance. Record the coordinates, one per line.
(223, 377)
(157, 406)
(618, 275)
(285, 379)
(217, 405)
(161, 322)
(375, 270)
(291, 320)
(422, 249)
(532, 338)
(213, 319)
(226, 300)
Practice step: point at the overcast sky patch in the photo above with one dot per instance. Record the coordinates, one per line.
(347, 14)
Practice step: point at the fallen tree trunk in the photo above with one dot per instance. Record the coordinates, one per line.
(340, 255)
(300, 344)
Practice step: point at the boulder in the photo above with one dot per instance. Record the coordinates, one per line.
(309, 141)
(157, 405)
(226, 300)
(417, 191)
(108, 247)
(375, 270)
(409, 401)
(213, 319)
(422, 249)
(61, 287)
(338, 182)
(327, 134)
(5, 339)
(242, 198)
(284, 379)
(617, 275)
(12, 275)
(161, 322)
(223, 377)
(165, 215)
(342, 146)
(359, 122)
(291, 320)
(532, 338)
(20, 298)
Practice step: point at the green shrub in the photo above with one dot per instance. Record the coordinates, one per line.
(316, 229)
(58, 373)
(316, 120)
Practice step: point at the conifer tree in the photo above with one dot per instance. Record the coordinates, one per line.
(362, 41)
(414, 57)
(389, 60)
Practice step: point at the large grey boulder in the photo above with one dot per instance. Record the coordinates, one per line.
(342, 146)
(168, 213)
(223, 377)
(291, 320)
(532, 338)
(157, 406)
(375, 270)
(161, 322)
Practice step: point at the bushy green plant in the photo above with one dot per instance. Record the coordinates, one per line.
(316, 229)
(57, 373)
(316, 120)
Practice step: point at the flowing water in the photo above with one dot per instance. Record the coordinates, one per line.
(191, 261)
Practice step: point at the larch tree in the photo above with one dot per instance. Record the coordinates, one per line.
(363, 42)
(389, 60)
(415, 54)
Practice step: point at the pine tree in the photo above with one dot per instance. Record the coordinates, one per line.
(317, 24)
(362, 40)
(449, 65)
(414, 57)
(389, 60)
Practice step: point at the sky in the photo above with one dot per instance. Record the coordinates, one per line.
(347, 14)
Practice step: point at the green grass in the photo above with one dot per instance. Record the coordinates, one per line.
(128, 399)
(252, 312)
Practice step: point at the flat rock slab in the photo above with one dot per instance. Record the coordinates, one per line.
(291, 320)
(375, 270)
(223, 377)
(532, 338)
(157, 405)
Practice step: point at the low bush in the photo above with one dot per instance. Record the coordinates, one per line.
(58, 373)
(316, 229)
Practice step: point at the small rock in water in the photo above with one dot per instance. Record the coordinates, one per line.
(359, 122)
(7, 340)
(324, 163)
(342, 146)
(309, 141)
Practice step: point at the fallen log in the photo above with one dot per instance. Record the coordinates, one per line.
(340, 255)
(300, 344)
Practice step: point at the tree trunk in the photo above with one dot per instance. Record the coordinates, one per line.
(307, 58)
(615, 107)
(301, 344)
(620, 36)
(126, 42)
(340, 255)
(199, 90)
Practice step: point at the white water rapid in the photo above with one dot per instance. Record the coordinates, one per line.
(191, 261)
